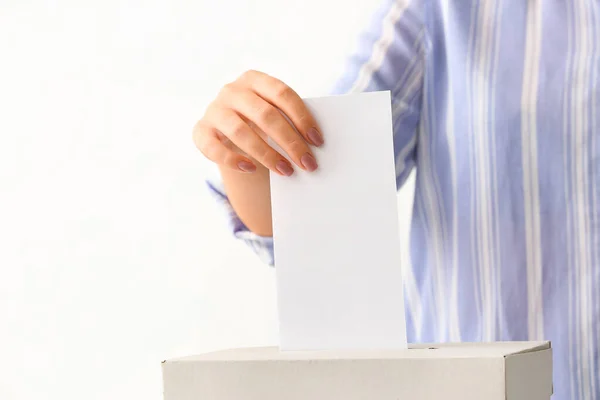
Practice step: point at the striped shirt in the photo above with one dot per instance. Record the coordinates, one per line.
(496, 103)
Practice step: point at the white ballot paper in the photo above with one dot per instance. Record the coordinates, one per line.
(336, 238)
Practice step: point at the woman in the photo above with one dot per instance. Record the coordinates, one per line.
(496, 103)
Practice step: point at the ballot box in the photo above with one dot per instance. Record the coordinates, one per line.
(461, 371)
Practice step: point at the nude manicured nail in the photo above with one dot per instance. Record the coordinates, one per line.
(284, 168)
(246, 166)
(309, 162)
(315, 136)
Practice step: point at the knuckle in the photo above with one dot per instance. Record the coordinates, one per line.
(227, 90)
(211, 110)
(267, 115)
(230, 119)
(238, 131)
(284, 92)
(303, 123)
(264, 154)
(249, 74)
(305, 119)
(297, 146)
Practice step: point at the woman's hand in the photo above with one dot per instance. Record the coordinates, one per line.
(237, 124)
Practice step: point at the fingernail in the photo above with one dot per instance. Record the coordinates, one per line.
(246, 166)
(308, 162)
(284, 168)
(315, 136)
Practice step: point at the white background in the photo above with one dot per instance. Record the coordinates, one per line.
(112, 255)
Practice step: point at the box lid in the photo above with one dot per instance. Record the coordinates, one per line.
(453, 371)
(438, 350)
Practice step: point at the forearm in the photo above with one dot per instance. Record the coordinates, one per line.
(250, 197)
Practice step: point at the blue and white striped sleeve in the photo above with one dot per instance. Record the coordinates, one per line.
(389, 57)
(261, 245)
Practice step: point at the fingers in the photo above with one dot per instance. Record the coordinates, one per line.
(230, 124)
(270, 120)
(287, 100)
(246, 114)
(208, 142)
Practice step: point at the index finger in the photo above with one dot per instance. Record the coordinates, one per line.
(287, 100)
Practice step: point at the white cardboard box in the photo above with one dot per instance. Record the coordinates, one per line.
(466, 371)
